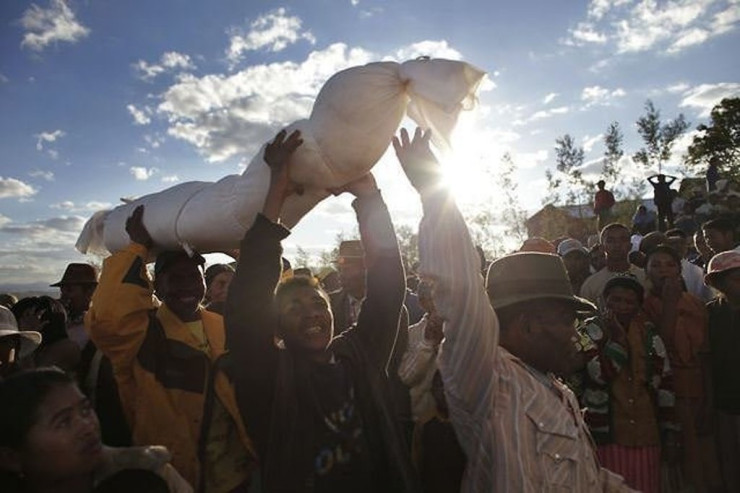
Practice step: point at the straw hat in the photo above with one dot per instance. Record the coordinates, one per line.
(30, 339)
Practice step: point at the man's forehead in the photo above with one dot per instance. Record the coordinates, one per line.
(299, 293)
(182, 265)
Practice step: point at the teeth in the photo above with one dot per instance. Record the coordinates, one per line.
(313, 330)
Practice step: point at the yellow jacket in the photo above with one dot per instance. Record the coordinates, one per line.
(165, 382)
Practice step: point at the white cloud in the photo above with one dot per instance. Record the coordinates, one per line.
(47, 137)
(46, 175)
(588, 142)
(175, 60)
(60, 230)
(430, 48)
(57, 23)
(584, 33)
(273, 32)
(154, 141)
(597, 95)
(670, 26)
(530, 159)
(354, 3)
(170, 179)
(677, 88)
(223, 115)
(11, 188)
(70, 206)
(168, 62)
(4, 79)
(705, 96)
(141, 117)
(548, 99)
(141, 173)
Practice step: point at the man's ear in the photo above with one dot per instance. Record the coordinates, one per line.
(10, 460)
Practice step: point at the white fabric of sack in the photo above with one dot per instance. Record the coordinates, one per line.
(354, 117)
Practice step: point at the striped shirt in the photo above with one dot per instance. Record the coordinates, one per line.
(521, 430)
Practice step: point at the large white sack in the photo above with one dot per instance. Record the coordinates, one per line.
(354, 117)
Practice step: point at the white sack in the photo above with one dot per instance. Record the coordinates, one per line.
(354, 117)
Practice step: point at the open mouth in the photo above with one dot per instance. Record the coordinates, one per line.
(92, 446)
(316, 329)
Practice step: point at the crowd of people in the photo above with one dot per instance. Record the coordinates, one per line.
(554, 368)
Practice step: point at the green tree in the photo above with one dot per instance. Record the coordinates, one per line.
(611, 171)
(513, 215)
(719, 139)
(568, 163)
(408, 244)
(658, 137)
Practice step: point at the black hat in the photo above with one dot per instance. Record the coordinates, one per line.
(166, 259)
(78, 274)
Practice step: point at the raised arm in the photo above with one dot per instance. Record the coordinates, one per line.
(448, 257)
(377, 323)
(118, 316)
(248, 317)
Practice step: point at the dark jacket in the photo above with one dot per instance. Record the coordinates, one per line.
(271, 384)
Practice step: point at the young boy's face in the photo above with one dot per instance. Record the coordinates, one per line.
(624, 303)
(306, 321)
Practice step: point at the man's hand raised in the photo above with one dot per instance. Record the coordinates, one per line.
(277, 155)
(136, 229)
(417, 160)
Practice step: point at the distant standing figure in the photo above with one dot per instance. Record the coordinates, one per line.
(663, 198)
(643, 221)
(76, 289)
(603, 203)
(712, 173)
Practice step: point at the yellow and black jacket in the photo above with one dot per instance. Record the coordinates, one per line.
(166, 383)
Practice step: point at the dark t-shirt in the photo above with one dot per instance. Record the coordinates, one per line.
(724, 340)
(340, 463)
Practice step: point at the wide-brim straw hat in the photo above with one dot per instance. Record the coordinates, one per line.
(30, 339)
(529, 276)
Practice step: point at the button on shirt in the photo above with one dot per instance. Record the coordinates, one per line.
(521, 430)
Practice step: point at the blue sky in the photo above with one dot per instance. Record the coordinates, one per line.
(103, 99)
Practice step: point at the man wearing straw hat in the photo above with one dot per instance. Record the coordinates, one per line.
(520, 427)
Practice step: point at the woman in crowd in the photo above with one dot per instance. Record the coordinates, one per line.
(49, 317)
(50, 442)
(682, 322)
(627, 388)
(218, 277)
